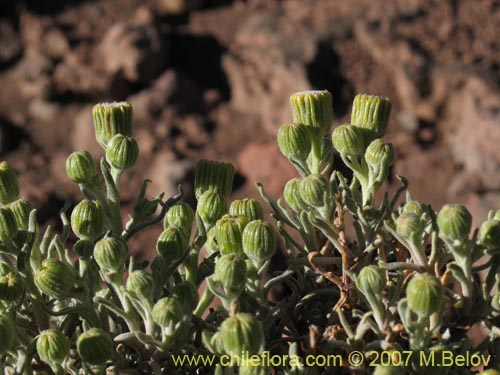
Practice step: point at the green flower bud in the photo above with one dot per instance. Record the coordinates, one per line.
(87, 219)
(211, 207)
(122, 152)
(55, 278)
(21, 209)
(231, 270)
(167, 312)
(259, 241)
(242, 333)
(248, 207)
(228, 234)
(292, 196)
(348, 140)
(84, 248)
(409, 224)
(414, 207)
(312, 190)
(52, 346)
(489, 234)
(187, 295)
(111, 119)
(9, 187)
(110, 254)
(172, 244)
(7, 333)
(11, 287)
(371, 112)
(8, 225)
(379, 154)
(180, 215)
(80, 167)
(213, 176)
(294, 141)
(95, 347)
(454, 222)
(425, 294)
(141, 284)
(371, 280)
(313, 109)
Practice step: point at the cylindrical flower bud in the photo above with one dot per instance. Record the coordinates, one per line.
(454, 222)
(141, 284)
(7, 333)
(242, 333)
(247, 207)
(87, 219)
(11, 287)
(371, 280)
(172, 244)
(9, 187)
(231, 270)
(294, 141)
(489, 234)
(348, 140)
(312, 190)
(379, 154)
(167, 312)
(292, 196)
(80, 167)
(95, 347)
(371, 112)
(313, 109)
(21, 209)
(8, 225)
(414, 207)
(52, 346)
(409, 224)
(55, 278)
(228, 234)
(111, 119)
(259, 241)
(211, 207)
(84, 248)
(187, 295)
(110, 254)
(180, 215)
(122, 152)
(424, 294)
(213, 176)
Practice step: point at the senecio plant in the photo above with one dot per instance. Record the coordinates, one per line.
(366, 273)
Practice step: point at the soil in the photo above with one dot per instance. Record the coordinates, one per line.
(211, 79)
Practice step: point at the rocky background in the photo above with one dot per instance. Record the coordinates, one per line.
(211, 79)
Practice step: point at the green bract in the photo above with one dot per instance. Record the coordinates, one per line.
(167, 312)
(11, 287)
(172, 244)
(180, 215)
(141, 284)
(259, 241)
(231, 270)
(8, 225)
(21, 209)
(186, 294)
(371, 280)
(213, 176)
(211, 207)
(348, 140)
(248, 207)
(312, 190)
(292, 195)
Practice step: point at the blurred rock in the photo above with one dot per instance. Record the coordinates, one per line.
(176, 7)
(134, 48)
(55, 43)
(10, 43)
